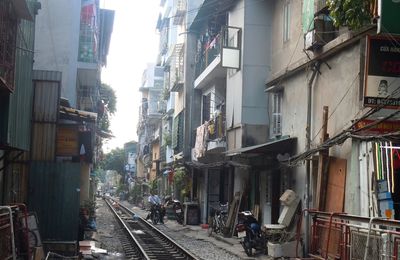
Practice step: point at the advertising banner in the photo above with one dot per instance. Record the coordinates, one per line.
(382, 72)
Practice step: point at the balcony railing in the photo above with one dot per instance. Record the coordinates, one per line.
(179, 12)
(208, 52)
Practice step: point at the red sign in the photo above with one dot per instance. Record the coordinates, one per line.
(381, 128)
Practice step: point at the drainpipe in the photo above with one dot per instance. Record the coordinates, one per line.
(308, 146)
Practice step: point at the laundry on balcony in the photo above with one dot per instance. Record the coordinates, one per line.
(213, 43)
(201, 138)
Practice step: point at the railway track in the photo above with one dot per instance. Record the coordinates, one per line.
(143, 240)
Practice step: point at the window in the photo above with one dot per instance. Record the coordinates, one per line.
(286, 21)
(276, 113)
(206, 107)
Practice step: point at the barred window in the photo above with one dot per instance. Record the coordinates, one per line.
(276, 113)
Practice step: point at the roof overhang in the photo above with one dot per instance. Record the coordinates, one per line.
(276, 146)
(104, 134)
(77, 115)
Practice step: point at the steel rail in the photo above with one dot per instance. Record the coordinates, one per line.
(141, 253)
(160, 245)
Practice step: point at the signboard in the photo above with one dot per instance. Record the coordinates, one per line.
(382, 75)
(388, 13)
(381, 128)
(67, 141)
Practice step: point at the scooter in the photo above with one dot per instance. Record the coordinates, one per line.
(249, 231)
(177, 207)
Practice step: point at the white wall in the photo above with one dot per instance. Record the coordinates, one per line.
(339, 89)
(57, 42)
(291, 51)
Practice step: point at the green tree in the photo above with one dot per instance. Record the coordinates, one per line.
(109, 101)
(351, 13)
(114, 160)
(107, 95)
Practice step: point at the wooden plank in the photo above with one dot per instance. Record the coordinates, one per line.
(232, 206)
(322, 164)
(236, 212)
(336, 185)
(335, 193)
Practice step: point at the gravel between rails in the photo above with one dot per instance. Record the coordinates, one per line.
(108, 227)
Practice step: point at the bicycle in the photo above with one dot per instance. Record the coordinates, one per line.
(218, 221)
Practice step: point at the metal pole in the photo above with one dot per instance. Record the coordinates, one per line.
(308, 162)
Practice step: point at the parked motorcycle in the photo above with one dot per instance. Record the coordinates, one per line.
(249, 231)
(177, 208)
(156, 214)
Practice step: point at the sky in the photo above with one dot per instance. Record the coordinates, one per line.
(134, 43)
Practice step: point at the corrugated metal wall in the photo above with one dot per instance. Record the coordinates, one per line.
(15, 185)
(45, 114)
(20, 109)
(54, 196)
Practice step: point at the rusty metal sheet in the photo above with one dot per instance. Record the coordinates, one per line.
(43, 142)
(46, 100)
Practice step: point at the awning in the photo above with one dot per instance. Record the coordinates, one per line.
(281, 145)
(220, 164)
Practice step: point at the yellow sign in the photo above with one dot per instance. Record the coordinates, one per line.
(67, 141)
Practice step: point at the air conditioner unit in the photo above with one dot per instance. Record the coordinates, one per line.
(322, 33)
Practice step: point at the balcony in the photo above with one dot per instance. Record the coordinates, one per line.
(208, 65)
(177, 76)
(216, 141)
(170, 104)
(210, 50)
(210, 137)
(179, 13)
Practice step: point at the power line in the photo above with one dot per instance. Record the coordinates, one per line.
(211, 14)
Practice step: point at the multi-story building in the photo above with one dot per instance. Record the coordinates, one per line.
(335, 91)
(130, 149)
(171, 27)
(16, 95)
(149, 127)
(260, 84)
(231, 67)
(71, 46)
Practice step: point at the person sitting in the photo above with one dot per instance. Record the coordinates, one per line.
(154, 200)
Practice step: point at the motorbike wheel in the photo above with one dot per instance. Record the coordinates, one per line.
(156, 217)
(247, 247)
(179, 218)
